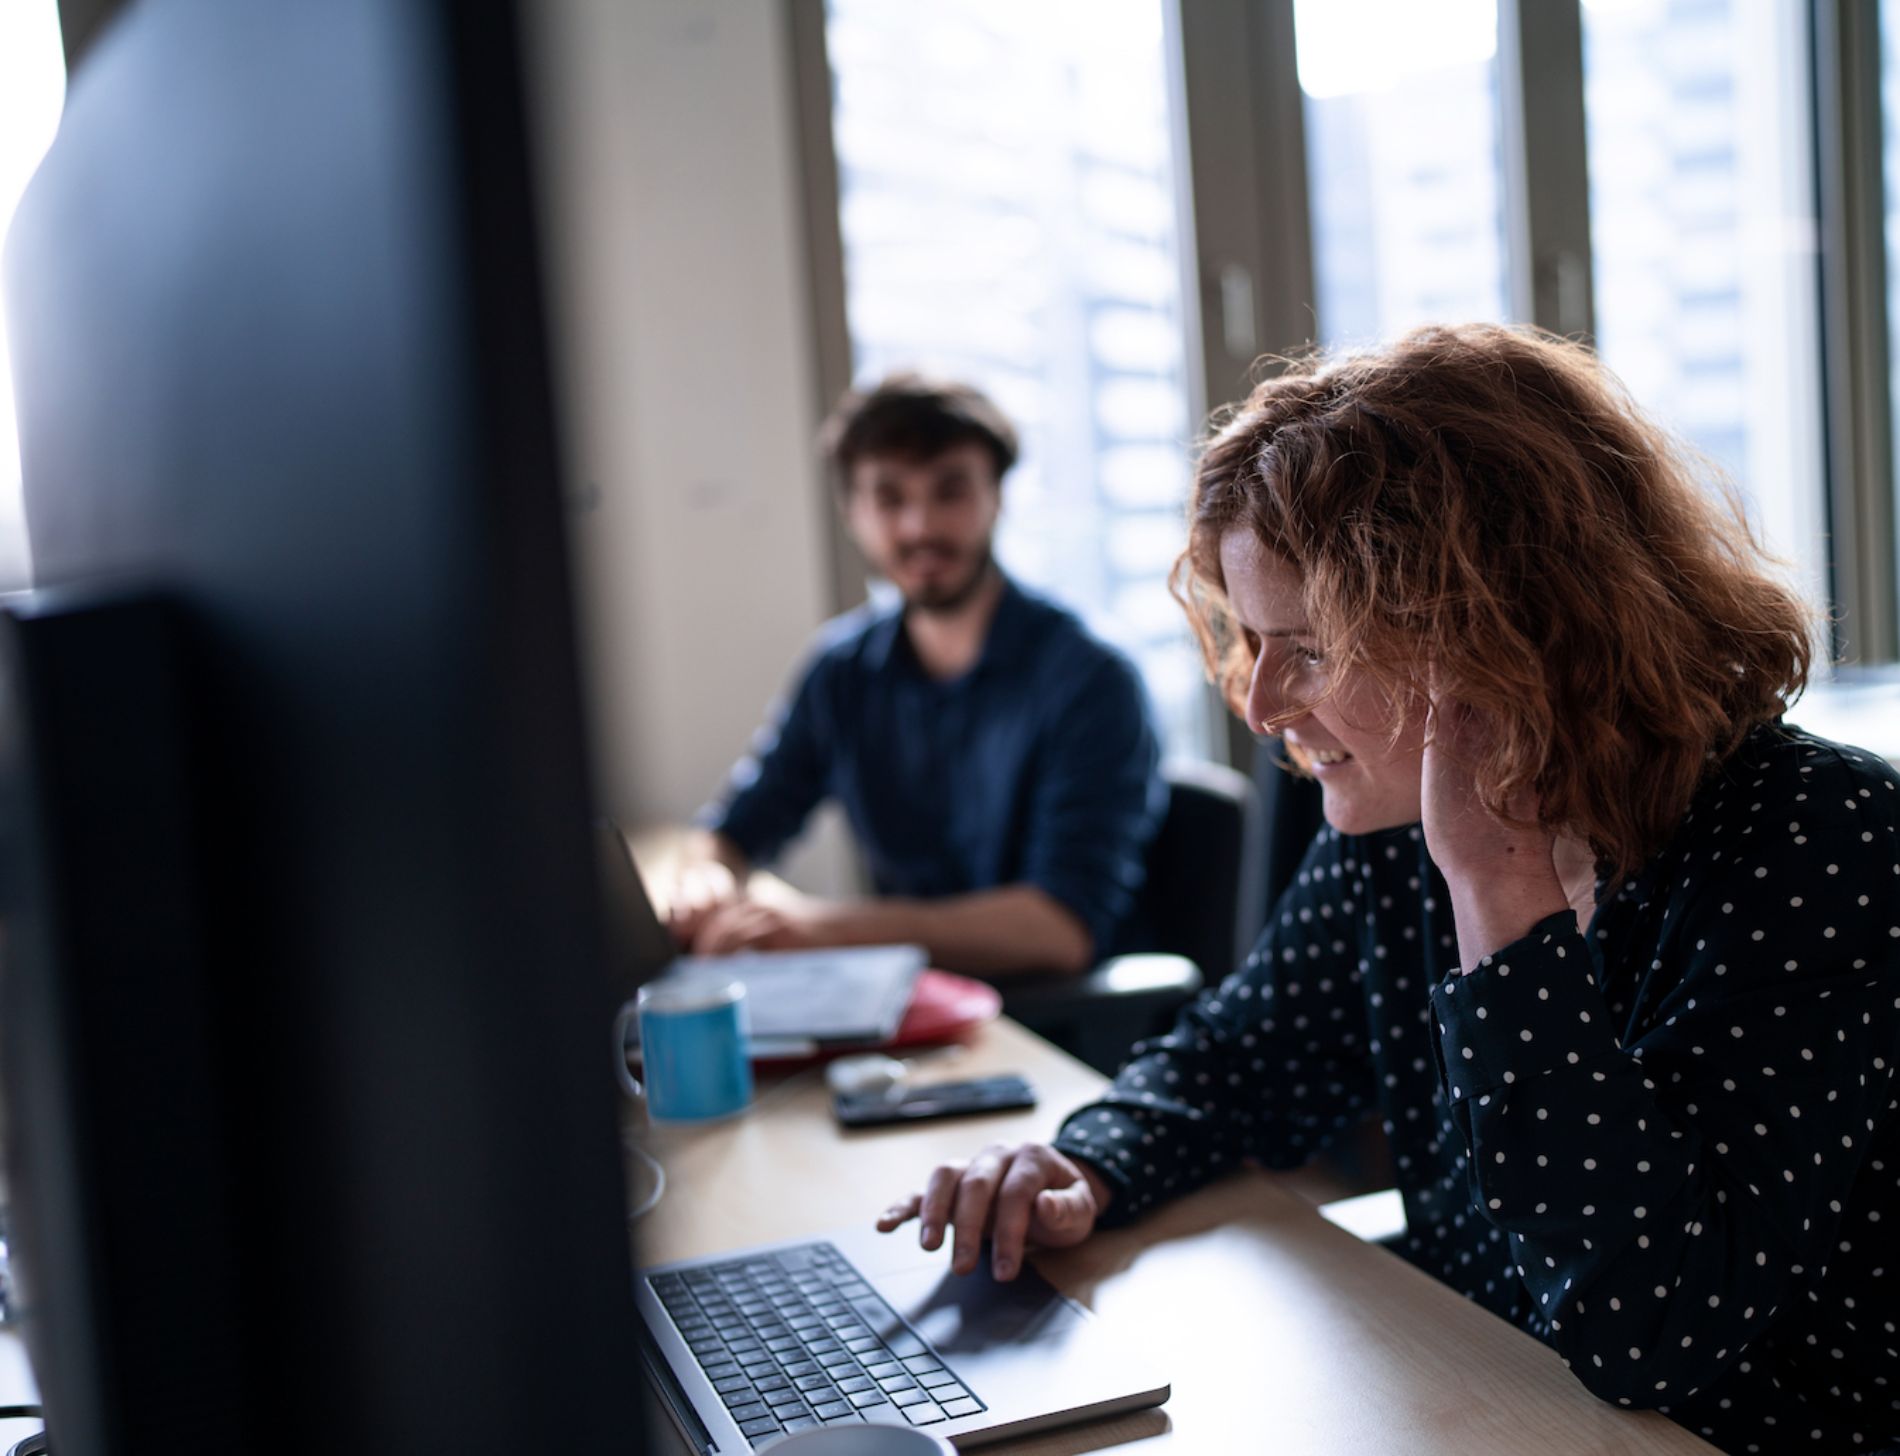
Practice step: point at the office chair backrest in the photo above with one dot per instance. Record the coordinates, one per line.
(1200, 907)
(1203, 898)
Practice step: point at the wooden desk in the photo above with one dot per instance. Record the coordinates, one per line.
(1279, 1330)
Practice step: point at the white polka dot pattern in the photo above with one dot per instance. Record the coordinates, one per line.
(1668, 1146)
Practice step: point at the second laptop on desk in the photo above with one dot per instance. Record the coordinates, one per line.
(797, 1002)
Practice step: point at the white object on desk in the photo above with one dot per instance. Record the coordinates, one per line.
(855, 1076)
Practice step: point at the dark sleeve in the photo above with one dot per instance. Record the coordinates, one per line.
(774, 788)
(1269, 1065)
(1096, 801)
(1667, 1198)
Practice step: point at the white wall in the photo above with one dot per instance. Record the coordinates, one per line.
(675, 246)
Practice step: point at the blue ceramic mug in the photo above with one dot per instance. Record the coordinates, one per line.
(694, 1065)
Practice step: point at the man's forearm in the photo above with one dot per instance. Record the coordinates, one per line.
(992, 932)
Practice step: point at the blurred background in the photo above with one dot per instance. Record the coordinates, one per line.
(1103, 212)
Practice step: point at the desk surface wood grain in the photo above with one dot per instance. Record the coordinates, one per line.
(1279, 1330)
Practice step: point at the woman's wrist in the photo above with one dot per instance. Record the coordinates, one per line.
(1491, 911)
(1099, 1187)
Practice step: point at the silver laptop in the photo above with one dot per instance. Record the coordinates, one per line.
(859, 1326)
(862, 1327)
(796, 1001)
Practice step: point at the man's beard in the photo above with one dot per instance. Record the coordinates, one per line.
(945, 600)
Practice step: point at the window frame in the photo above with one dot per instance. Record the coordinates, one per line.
(810, 61)
(1247, 236)
(1550, 272)
(1856, 382)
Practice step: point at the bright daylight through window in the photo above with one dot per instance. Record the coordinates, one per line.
(1704, 237)
(1403, 163)
(1007, 202)
(32, 90)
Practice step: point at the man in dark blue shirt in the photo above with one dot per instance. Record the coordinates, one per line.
(997, 763)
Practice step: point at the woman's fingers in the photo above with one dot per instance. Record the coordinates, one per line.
(1017, 1195)
(939, 1194)
(900, 1213)
(975, 1195)
(1015, 1205)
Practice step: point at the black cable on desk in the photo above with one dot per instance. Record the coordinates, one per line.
(33, 1445)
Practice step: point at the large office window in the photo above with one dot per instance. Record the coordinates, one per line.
(32, 91)
(1006, 200)
(1890, 160)
(1704, 235)
(1401, 104)
(1006, 178)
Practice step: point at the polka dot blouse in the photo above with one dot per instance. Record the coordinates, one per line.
(1667, 1145)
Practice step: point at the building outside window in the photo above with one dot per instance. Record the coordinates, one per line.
(1704, 237)
(1007, 206)
(1403, 164)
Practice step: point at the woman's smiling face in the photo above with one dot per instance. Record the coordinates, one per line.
(1369, 781)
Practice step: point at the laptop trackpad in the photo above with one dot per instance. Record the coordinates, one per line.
(964, 1315)
(1021, 1347)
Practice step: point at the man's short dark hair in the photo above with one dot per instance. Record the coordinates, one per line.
(914, 418)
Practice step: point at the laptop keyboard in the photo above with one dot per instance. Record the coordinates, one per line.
(798, 1338)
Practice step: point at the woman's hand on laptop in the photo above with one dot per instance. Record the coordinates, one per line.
(1026, 1194)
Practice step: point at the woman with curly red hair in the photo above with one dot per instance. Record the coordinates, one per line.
(1613, 948)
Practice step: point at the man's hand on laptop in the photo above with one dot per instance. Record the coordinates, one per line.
(700, 890)
(1021, 1195)
(786, 922)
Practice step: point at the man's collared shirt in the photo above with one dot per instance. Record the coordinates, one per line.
(1039, 766)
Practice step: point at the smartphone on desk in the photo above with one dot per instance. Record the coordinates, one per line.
(942, 1099)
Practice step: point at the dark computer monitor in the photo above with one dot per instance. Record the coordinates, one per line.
(312, 1134)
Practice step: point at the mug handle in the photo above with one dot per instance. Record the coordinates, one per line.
(629, 1084)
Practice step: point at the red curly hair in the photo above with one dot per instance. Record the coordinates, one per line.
(1484, 509)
